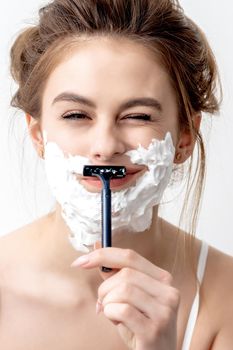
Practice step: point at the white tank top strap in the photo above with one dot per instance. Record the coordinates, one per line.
(202, 261)
(195, 307)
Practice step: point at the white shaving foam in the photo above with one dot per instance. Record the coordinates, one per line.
(132, 208)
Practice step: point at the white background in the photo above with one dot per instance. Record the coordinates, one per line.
(17, 201)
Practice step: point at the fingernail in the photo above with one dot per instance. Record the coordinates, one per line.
(98, 307)
(97, 245)
(82, 260)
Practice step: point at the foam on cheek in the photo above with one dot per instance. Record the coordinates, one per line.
(131, 208)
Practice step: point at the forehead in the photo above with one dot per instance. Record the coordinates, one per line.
(109, 66)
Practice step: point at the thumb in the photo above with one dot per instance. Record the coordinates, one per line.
(103, 271)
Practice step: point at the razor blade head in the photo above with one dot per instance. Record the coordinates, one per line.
(108, 172)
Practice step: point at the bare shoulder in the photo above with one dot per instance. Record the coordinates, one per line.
(18, 245)
(12, 241)
(219, 273)
(217, 294)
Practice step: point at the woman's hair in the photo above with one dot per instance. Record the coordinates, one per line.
(159, 25)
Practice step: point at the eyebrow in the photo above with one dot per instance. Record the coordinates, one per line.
(142, 101)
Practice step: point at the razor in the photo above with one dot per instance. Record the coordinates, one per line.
(105, 174)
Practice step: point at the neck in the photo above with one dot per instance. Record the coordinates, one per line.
(144, 243)
(61, 253)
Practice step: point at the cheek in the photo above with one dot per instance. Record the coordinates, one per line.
(175, 130)
(175, 133)
(69, 141)
(145, 135)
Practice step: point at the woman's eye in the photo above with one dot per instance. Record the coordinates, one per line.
(74, 116)
(143, 117)
(79, 116)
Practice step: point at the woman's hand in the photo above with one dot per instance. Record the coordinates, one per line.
(137, 297)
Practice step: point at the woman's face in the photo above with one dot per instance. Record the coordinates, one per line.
(107, 97)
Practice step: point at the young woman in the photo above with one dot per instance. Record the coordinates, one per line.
(98, 78)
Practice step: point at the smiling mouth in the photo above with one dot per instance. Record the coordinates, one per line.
(94, 183)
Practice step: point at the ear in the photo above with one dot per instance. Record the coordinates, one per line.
(186, 141)
(35, 133)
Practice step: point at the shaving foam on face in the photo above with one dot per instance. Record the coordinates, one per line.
(132, 208)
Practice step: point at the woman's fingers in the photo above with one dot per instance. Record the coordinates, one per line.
(136, 328)
(128, 316)
(138, 298)
(148, 305)
(126, 280)
(118, 258)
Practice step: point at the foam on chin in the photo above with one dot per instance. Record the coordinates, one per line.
(132, 207)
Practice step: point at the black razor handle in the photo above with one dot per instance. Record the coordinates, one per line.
(105, 173)
(106, 220)
(106, 217)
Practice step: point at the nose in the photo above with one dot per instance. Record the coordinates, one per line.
(106, 143)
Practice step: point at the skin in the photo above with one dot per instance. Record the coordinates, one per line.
(143, 304)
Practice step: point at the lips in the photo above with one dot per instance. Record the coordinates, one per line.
(120, 183)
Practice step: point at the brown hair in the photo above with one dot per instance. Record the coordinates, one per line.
(160, 25)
